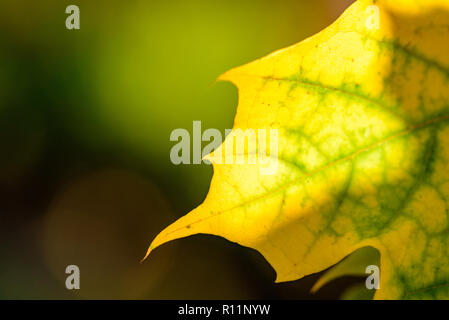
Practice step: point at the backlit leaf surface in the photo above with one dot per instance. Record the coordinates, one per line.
(362, 110)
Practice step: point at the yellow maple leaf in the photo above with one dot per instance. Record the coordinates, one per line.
(362, 113)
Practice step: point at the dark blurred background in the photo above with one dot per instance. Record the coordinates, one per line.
(85, 120)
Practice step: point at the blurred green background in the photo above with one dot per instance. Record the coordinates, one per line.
(85, 120)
